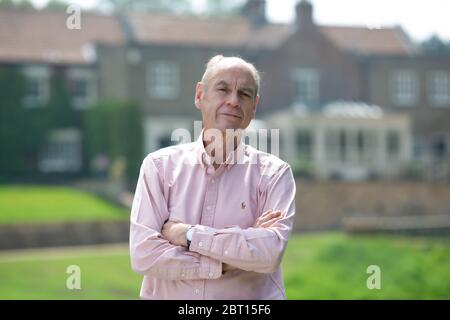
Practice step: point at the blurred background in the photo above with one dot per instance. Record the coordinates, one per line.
(360, 91)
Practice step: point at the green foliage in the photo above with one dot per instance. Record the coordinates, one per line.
(22, 130)
(46, 204)
(435, 46)
(411, 171)
(16, 4)
(163, 6)
(303, 168)
(224, 8)
(115, 129)
(57, 5)
(59, 109)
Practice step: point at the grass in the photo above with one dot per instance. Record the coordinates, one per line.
(315, 266)
(104, 275)
(45, 204)
(334, 265)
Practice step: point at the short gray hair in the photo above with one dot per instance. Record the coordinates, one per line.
(213, 64)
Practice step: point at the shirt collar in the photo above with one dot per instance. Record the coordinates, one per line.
(205, 160)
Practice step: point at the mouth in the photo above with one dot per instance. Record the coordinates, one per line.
(231, 115)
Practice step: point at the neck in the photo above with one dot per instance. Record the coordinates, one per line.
(219, 144)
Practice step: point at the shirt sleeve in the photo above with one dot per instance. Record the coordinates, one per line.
(253, 249)
(150, 253)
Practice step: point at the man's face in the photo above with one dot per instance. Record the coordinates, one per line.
(228, 100)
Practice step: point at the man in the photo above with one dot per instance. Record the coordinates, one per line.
(211, 219)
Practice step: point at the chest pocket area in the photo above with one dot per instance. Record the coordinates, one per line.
(242, 213)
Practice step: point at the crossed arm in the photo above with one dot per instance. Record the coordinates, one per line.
(158, 247)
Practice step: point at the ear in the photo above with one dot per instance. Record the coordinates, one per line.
(199, 91)
(255, 104)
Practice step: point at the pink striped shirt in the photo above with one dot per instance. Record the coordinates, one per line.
(178, 183)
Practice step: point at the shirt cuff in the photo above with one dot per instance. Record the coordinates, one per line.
(202, 238)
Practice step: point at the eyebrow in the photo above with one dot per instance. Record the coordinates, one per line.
(244, 89)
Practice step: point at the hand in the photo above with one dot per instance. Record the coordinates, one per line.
(227, 268)
(268, 218)
(175, 232)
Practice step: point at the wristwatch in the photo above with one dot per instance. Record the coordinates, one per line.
(189, 233)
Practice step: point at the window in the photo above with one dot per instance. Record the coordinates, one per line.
(306, 87)
(404, 88)
(439, 88)
(83, 87)
(393, 145)
(163, 80)
(62, 152)
(304, 144)
(332, 145)
(440, 147)
(37, 86)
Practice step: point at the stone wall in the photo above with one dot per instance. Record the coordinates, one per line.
(63, 234)
(323, 205)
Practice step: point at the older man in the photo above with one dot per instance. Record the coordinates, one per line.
(211, 219)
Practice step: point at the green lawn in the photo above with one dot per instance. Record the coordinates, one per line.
(316, 266)
(334, 265)
(45, 204)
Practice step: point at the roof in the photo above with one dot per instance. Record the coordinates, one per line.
(365, 40)
(42, 36)
(30, 35)
(238, 32)
(352, 109)
(234, 32)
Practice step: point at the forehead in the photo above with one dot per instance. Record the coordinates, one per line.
(233, 74)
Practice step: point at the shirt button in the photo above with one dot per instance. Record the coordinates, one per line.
(183, 275)
(200, 244)
(226, 252)
(196, 291)
(213, 181)
(211, 274)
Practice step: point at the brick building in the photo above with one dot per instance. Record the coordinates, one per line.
(157, 59)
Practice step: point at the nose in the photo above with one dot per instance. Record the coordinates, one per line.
(233, 99)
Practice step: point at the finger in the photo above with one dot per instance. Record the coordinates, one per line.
(276, 216)
(270, 216)
(266, 216)
(271, 222)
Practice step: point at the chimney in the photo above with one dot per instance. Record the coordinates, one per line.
(304, 14)
(255, 11)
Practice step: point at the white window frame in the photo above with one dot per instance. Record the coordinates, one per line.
(163, 80)
(310, 78)
(63, 151)
(405, 88)
(40, 74)
(91, 87)
(439, 88)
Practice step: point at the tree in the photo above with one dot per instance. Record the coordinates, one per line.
(223, 8)
(114, 128)
(164, 6)
(16, 4)
(435, 46)
(57, 5)
(22, 130)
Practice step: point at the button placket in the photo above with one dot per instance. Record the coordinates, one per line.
(210, 202)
